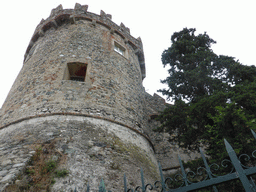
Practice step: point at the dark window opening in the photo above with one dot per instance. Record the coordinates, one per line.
(76, 71)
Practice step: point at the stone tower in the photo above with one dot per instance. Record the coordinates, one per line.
(80, 90)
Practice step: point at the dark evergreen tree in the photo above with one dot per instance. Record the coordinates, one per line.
(214, 96)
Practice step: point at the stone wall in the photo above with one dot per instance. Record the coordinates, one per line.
(101, 127)
(166, 152)
(95, 149)
(113, 86)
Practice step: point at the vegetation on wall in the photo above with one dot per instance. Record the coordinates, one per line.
(42, 170)
(214, 96)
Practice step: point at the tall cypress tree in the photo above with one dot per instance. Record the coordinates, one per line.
(214, 96)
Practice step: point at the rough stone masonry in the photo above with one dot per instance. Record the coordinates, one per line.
(81, 87)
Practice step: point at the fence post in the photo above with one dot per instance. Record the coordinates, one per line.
(185, 179)
(125, 184)
(253, 133)
(239, 170)
(88, 187)
(142, 181)
(102, 186)
(162, 178)
(208, 169)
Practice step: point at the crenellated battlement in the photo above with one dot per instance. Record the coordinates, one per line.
(59, 16)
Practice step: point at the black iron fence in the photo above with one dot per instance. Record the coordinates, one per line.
(238, 171)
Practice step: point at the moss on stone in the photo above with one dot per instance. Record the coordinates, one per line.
(136, 154)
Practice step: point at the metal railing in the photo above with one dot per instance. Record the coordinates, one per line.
(239, 171)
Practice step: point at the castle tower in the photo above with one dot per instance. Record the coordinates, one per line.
(80, 89)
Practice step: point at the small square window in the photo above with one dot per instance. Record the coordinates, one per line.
(76, 71)
(119, 49)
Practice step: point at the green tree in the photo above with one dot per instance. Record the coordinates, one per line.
(214, 96)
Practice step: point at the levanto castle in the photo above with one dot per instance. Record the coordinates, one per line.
(80, 93)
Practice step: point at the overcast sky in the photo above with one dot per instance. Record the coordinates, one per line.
(229, 22)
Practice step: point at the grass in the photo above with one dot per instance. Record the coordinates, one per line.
(61, 173)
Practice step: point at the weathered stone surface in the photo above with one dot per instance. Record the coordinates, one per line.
(19, 165)
(118, 96)
(56, 10)
(81, 8)
(3, 173)
(94, 148)
(8, 178)
(103, 125)
(6, 162)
